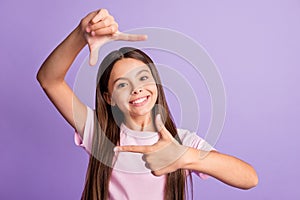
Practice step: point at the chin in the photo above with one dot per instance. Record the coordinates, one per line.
(141, 113)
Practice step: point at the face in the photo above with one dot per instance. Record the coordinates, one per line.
(132, 88)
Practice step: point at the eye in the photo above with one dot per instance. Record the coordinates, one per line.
(143, 78)
(121, 85)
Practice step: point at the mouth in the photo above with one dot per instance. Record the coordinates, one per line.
(140, 101)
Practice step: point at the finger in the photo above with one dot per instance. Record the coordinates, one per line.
(161, 128)
(170, 156)
(90, 16)
(129, 37)
(106, 22)
(94, 53)
(106, 30)
(85, 21)
(132, 148)
(147, 165)
(163, 171)
(144, 157)
(102, 13)
(156, 173)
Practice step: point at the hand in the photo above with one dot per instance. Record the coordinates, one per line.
(100, 27)
(163, 157)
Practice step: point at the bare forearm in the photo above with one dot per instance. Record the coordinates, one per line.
(225, 168)
(59, 61)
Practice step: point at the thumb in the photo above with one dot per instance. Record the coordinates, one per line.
(158, 122)
(161, 128)
(94, 55)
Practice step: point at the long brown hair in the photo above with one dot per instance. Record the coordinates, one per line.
(107, 133)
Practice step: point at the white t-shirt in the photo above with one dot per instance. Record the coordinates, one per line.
(130, 178)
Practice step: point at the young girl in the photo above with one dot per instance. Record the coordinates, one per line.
(136, 152)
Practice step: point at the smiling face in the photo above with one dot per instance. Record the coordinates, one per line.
(132, 88)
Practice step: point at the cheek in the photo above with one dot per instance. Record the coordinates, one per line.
(153, 88)
(121, 96)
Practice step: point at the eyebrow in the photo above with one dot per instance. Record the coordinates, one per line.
(141, 71)
(138, 73)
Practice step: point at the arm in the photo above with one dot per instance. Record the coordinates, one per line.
(225, 168)
(95, 29)
(167, 155)
(51, 77)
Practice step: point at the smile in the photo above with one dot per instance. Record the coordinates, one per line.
(140, 101)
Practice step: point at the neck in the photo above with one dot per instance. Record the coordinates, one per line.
(140, 123)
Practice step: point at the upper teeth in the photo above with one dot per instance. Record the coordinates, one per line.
(139, 100)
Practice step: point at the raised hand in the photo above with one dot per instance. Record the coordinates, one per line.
(100, 27)
(163, 157)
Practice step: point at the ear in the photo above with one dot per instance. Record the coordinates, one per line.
(108, 99)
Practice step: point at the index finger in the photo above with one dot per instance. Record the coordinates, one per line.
(132, 148)
(101, 14)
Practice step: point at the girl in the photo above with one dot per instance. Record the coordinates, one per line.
(135, 150)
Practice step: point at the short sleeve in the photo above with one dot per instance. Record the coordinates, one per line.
(86, 141)
(191, 139)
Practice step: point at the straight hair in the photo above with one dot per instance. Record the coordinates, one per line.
(107, 132)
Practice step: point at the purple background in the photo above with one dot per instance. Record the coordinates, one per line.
(255, 45)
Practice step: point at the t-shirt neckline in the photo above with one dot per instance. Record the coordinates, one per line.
(138, 134)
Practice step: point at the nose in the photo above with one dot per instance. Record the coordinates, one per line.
(137, 90)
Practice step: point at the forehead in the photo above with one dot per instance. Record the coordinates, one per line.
(126, 67)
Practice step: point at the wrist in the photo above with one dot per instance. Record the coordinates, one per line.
(191, 158)
(196, 160)
(80, 36)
